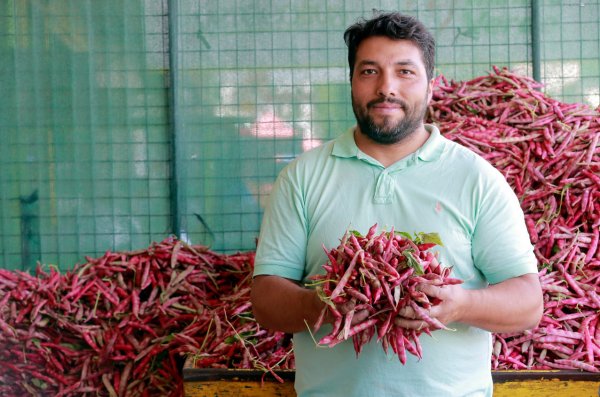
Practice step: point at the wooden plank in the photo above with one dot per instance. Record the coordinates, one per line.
(547, 388)
(230, 388)
(230, 383)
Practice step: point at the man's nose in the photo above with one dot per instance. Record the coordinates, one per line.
(386, 86)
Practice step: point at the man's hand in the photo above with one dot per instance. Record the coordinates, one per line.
(437, 316)
(348, 309)
(513, 305)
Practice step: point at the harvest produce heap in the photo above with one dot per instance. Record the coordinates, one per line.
(549, 153)
(119, 324)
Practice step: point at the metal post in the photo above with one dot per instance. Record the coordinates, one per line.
(172, 14)
(535, 40)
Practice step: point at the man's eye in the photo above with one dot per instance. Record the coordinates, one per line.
(368, 71)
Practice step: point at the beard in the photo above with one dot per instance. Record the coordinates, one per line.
(388, 132)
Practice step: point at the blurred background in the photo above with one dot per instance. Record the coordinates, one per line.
(124, 122)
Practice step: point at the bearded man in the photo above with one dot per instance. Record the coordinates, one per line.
(396, 171)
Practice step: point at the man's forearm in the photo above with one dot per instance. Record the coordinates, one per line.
(282, 305)
(513, 305)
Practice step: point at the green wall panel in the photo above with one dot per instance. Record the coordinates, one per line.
(80, 98)
(124, 122)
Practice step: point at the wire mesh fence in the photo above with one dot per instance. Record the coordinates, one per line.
(124, 122)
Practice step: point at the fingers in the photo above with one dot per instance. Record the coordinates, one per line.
(431, 290)
(408, 318)
(414, 316)
(418, 325)
(346, 306)
(418, 318)
(407, 312)
(349, 309)
(359, 316)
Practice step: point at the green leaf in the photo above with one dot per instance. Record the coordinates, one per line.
(246, 317)
(71, 346)
(230, 340)
(241, 336)
(412, 262)
(405, 235)
(323, 296)
(429, 238)
(40, 384)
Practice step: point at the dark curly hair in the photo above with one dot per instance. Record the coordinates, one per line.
(395, 26)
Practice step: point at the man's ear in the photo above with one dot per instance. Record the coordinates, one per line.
(430, 86)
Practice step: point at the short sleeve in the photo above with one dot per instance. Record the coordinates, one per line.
(282, 241)
(501, 246)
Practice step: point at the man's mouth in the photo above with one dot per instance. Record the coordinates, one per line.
(386, 108)
(386, 104)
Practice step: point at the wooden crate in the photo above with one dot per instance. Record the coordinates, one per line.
(546, 384)
(250, 383)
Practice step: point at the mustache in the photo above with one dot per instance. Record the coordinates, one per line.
(388, 100)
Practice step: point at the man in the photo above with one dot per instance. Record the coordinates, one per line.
(394, 170)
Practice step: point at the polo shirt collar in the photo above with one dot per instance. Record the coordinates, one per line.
(434, 146)
(345, 146)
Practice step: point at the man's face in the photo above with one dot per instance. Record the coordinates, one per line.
(390, 90)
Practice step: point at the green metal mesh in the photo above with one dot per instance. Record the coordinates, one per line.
(104, 101)
(84, 164)
(571, 50)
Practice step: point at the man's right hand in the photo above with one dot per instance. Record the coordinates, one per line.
(282, 304)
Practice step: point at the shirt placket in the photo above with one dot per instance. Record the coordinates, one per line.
(384, 187)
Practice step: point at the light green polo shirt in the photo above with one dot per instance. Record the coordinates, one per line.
(442, 187)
